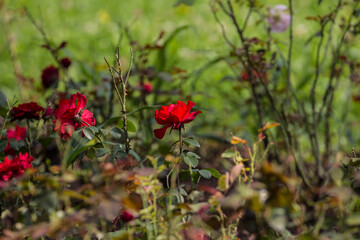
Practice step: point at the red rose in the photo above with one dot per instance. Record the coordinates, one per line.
(126, 216)
(65, 62)
(26, 110)
(15, 167)
(71, 114)
(48, 113)
(19, 134)
(148, 88)
(49, 76)
(174, 116)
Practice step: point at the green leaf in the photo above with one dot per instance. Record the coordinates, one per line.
(191, 141)
(16, 145)
(3, 143)
(104, 131)
(76, 138)
(205, 173)
(183, 192)
(90, 153)
(222, 183)
(115, 133)
(215, 173)
(88, 133)
(74, 154)
(130, 126)
(229, 153)
(191, 161)
(93, 129)
(136, 156)
(194, 155)
(101, 152)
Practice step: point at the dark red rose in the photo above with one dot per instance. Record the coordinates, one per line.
(148, 88)
(174, 116)
(71, 114)
(126, 216)
(65, 62)
(48, 113)
(49, 76)
(19, 134)
(29, 110)
(15, 167)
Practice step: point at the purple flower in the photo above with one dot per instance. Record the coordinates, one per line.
(279, 18)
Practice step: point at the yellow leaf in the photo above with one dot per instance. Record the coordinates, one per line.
(236, 140)
(268, 125)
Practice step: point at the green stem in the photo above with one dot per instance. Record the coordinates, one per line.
(180, 142)
(252, 164)
(155, 213)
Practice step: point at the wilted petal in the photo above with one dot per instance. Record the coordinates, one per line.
(160, 133)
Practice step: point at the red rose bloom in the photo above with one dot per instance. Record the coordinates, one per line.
(65, 62)
(174, 116)
(126, 216)
(19, 134)
(71, 114)
(49, 76)
(148, 88)
(15, 167)
(48, 113)
(26, 110)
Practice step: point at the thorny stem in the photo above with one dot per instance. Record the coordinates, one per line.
(180, 142)
(122, 95)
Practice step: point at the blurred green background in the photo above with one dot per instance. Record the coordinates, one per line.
(91, 29)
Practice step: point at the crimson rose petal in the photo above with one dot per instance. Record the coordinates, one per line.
(174, 116)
